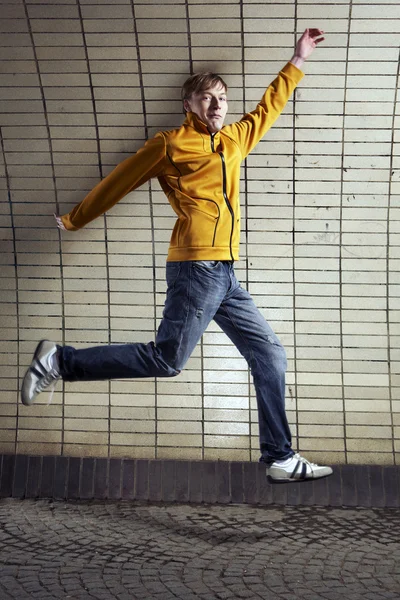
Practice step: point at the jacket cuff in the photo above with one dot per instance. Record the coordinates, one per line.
(293, 72)
(67, 223)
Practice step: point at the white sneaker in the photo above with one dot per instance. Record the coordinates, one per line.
(296, 469)
(41, 374)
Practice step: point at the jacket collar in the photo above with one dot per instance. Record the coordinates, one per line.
(193, 120)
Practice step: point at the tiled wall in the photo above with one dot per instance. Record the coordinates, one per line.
(83, 83)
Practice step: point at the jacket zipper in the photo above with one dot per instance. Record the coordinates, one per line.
(224, 193)
(227, 200)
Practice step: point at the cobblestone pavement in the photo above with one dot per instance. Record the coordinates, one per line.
(132, 551)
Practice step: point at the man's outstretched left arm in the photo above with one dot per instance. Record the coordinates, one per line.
(254, 125)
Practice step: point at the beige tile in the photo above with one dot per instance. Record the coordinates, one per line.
(131, 426)
(115, 25)
(85, 424)
(369, 445)
(226, 441)
(81, 404)
(176, 388)
(86, 412)
(132, 412)
(373, 419)
(326, 457)
(173, 405)
(371, 458)
(135, 439)
(8, 410)
(239, 416)
(180, 453)
(151, 26)
(182, 414)
(99, 388)
(61, 11)
(7, 447)
(172, 10)
(189, 440)
(371, 432)
(7, 435)
(226, 428)
(179, 427)
(179, 52)
(366, 379)
(209, 26)
(139, 386)
(225, 454)
(86, 437)
(154, 40)
(38, 436)
(85, 450)
(323, 418)
(37, 423)
(38, 449)
(132, 452)
(219, 11)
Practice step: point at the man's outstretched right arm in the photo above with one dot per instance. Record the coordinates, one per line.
(148, 162)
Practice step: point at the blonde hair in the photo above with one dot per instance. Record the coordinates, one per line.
(199, 82)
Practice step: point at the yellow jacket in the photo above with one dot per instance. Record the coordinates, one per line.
(199, 173)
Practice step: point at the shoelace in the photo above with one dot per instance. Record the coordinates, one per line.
(50, 381)
(304, 460)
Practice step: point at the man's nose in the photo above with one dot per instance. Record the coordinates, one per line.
(216, 103)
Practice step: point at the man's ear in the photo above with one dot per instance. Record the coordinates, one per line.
(186, 106)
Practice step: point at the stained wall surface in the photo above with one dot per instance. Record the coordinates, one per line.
(83, 84)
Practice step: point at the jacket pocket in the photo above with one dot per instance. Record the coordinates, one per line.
(197, 229)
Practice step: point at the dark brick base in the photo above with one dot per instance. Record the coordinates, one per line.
(218, 482)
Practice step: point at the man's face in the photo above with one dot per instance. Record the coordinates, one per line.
(210, 106)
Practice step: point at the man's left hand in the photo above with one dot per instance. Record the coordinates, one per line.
(306, 45)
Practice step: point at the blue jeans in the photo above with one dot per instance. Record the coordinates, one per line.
(199, 291)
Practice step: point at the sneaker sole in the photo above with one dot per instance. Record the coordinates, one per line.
(308, 479)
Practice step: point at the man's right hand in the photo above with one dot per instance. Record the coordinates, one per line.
(59, 222)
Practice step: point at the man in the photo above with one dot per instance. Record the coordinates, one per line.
(198, 167)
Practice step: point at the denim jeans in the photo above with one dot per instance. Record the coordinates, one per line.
(199, 291)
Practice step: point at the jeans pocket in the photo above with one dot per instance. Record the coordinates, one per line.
(208, 264)
(173, 270)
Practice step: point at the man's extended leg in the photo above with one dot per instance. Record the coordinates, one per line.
(195, 290)
(241, 320)
(244, 324)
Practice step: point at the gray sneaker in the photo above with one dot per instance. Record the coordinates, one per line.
(41, 374)
(298, 469)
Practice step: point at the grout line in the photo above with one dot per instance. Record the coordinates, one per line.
(202, 368)
(151, 209)
(388, 320)
(294, 160)
(189, 36)
(14, 243)
(101, 171)
(341, 236)
(56, 200)
(246, 219)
